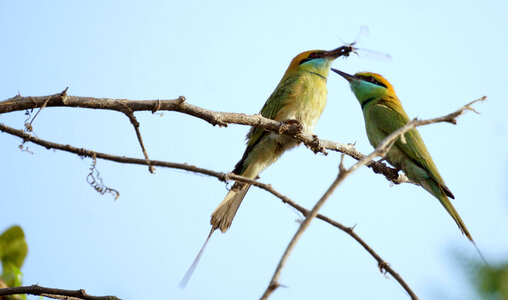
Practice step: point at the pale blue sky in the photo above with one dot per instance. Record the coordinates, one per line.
(229, 56)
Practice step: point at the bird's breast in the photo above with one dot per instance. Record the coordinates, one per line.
(306, 101)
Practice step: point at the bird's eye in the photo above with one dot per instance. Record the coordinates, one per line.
(311, 56)
(371, 79)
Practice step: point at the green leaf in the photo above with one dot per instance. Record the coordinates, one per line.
(13, 247)
(12, 275)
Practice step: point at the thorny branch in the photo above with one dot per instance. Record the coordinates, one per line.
(381, 151)
(222, 119)
(53, 293)
(219, 175)
(127, 107)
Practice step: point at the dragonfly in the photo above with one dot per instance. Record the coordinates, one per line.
(362, 52)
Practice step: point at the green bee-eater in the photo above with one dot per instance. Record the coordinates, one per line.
(383, 114)
(301, 96)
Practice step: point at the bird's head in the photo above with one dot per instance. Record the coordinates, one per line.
(366, 85)
(316, 61)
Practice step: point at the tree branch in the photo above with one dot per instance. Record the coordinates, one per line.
(219, 175)
(19, 103)
(222, 119)
(53, 293)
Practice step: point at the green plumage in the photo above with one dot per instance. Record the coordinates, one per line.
(300, 96)
(383, 114)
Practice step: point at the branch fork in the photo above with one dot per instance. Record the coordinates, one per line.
(222, 119)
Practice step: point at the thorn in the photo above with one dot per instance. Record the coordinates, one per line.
(352, 228)
(473, 110)
(274, 285)
(283, 286)
(64, 92)
(63, 96)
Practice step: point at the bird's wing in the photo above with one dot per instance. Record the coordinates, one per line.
(277, 100)
(283, 94)
(388, 117)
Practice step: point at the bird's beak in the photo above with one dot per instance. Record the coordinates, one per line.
(341, 51)
(345, 75)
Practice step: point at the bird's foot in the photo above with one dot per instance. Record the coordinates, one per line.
(291, 126)
(316, 146)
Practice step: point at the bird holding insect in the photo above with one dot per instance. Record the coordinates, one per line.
(300, 97)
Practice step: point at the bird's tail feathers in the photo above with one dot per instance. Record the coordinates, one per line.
(221, 218)
(442, 194)
(190, 271)
(436, 190)
(223, 215)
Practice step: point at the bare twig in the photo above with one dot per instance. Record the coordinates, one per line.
(53, 293)
(124, 106)
(128, 112)
(380, 150)
(220, 175)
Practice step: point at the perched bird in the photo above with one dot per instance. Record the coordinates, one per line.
(383, 114)
(299, 97)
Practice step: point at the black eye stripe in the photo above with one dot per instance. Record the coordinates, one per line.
(305, 60)
(311, 56)
(373, 80)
